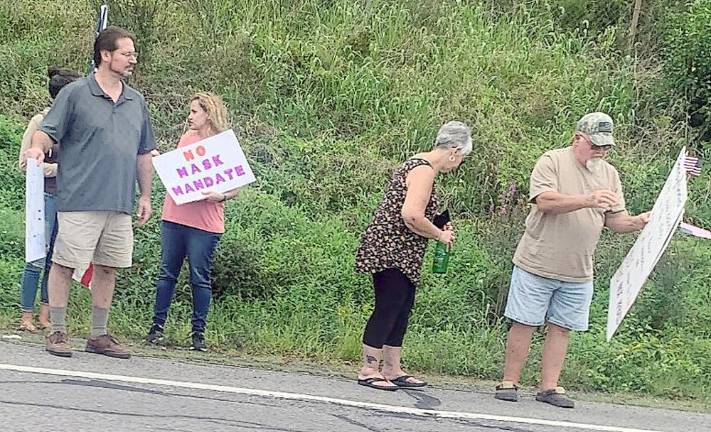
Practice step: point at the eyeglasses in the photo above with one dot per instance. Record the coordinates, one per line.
(603, 148)
(133, 55)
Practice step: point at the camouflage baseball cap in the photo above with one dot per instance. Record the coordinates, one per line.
(598, 127)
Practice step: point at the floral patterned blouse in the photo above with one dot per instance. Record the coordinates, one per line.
(388, 242)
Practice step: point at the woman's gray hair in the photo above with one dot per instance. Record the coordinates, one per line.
(455, 135)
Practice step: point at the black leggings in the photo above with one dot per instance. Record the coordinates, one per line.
(394, 298)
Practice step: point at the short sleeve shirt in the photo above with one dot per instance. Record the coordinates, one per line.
(99, 142)
(204, 215)
(561, 246)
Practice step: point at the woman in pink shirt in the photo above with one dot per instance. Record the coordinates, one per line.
(192, 230)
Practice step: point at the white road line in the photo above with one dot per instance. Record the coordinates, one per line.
(322, 399)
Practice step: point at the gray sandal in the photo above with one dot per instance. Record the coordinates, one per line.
(507, 391)
(555, 397)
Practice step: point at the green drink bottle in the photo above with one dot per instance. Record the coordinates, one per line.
(440, 259)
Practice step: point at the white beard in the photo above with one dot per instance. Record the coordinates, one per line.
(593, 165)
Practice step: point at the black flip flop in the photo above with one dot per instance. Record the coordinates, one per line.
(402, 381)
(370, 382)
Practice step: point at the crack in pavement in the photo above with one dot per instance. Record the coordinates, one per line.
(354, 422)
(236, 423)
(490, 426)
(119, 387)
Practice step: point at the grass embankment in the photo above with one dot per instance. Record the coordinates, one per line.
(326, 100)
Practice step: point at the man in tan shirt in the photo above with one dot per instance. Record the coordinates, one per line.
(574, 193)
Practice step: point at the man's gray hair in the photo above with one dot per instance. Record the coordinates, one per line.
(455, 135)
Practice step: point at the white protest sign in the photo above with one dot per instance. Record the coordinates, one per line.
(666, 215)
(215, 164)
(35, 245)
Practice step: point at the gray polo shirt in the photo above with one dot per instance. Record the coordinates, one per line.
(99, 141)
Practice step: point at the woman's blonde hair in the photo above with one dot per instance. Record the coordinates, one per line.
(215, 109)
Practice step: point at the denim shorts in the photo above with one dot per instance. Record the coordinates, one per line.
(534, 300)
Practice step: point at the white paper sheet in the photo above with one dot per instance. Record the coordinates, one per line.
(35, 244)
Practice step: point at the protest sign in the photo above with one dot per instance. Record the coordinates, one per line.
(35, 243)
(666, 215)
(214, 164)
(695, 231)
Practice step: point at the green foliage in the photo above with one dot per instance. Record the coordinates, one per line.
(12, 230)
(327, 98)
(10, 270)
(11, 178)
(688, 35)
(687, 60)
(28, 45)
(591, 16)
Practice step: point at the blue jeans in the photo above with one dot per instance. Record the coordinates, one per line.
(178, 242)
(31, 274)
(534, 300)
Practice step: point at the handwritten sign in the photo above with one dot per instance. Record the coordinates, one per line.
(214, 164)
(666, 215)
(35, 243)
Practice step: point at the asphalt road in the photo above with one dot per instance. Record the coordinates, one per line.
(89, 392)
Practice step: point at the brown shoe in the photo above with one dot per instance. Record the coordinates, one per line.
(58, 344)
(108, 346)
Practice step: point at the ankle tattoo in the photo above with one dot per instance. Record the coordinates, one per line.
(371, 360)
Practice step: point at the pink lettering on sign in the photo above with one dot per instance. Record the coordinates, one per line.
(209, 180)
(200, 150)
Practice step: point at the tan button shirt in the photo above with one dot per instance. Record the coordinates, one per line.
(561, 246)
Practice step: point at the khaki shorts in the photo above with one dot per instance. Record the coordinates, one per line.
(101, 237)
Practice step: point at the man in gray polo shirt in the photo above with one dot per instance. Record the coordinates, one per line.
(105, 135)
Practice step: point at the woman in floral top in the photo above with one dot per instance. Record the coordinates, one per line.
(392, 249)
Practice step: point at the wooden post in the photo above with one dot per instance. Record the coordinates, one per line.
(633, 25)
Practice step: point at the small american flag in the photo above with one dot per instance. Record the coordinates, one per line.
(692, 165)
